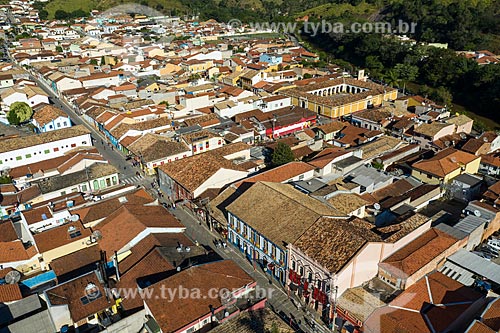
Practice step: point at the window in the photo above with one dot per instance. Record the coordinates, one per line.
(115, 181)
(56, 149)
(96, 185)
(1, 162)
(75, 234)
(219, 142)
(74, 189)
(84, 188)
(65, 123)
(58, 125)
(301, 270)
(50, 127)
(46, 151)
(63, 193)
(28, 155)
(190, 330)
(301, 177)
(293, 265)
(18, 158)
(73, 145)
(102, 183)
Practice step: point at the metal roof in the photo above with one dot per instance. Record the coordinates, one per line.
(475, 264)
(470, 223)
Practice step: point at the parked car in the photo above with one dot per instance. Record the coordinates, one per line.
(483, 255)
(488, 250)
(494, 243)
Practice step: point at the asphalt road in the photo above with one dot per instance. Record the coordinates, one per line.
(110, 153)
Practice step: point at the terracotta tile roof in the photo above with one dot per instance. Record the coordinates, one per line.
(279, 174)
(128, 140)
(114, 122)
(347, 203)
(148, 243)
(10, 293)
(473, 145)
(340, 99)
(123, 225)
(38, 139)
(75, 260)
(395, 189)
(7, 231)
(491, 316)
(48, 113)
(35, 215)
(418, 253)
(153, 147)
(123, 128)
(191, 172)
(202, 119)
(491, 159)
(47, 165)
(15, 251)
(60, 236)
(70, 163)
(173, 315)
(333, 242)
(263, 320)
(445, 162)
(152, 263)
(431, 129)
(102, 209)
(327, 156)
(333, 127)
(73, 292)
(380, 146)
(279, 211)
(193, 137)
(479, 327)
(430, 305)
(301, 152)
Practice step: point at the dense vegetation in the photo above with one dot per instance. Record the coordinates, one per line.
(437, 73)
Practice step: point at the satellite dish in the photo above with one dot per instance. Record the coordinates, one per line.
(12, 277)
(74, 218)
(477, 213)
(376, 206)
(187, 249)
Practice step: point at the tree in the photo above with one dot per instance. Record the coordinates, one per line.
(19, 113)
(59, 49)
(5, 180)
(43, 14)
(392, 78)
(282, 154)
(61, 14)
(93, 62)
(406, 73)
(307, 76)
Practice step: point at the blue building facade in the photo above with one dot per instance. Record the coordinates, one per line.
(258, 249)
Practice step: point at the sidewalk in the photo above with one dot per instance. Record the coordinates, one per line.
(279, 301)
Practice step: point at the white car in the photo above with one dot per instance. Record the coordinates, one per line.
(494, 243)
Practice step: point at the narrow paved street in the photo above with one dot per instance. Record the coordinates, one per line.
(279, 300)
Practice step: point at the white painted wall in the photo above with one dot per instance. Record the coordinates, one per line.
(63, 146)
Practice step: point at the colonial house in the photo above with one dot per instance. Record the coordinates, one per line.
(50, 118)
(338, 254)
(280, 214)
(445, 165)
(25, 150)
(172, 315)
(153, 150)
(187, 179)
(421, 256)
